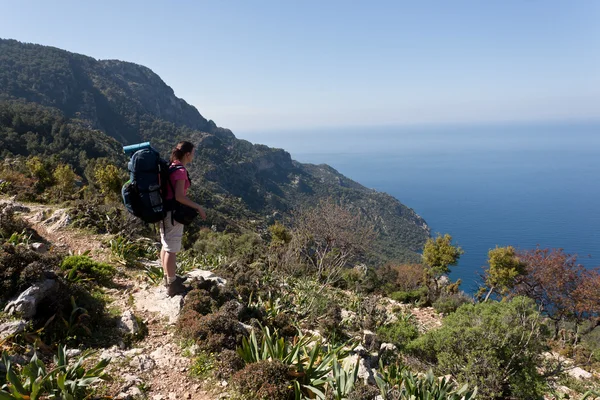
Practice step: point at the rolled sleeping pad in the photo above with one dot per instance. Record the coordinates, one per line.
(132, 148)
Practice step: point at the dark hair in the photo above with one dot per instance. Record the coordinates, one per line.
(181, 150)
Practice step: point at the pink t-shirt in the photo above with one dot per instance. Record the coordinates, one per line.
(178, 175)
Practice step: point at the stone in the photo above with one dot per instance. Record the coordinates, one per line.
(156, 300)
(26, 303)
(206, 275)
(143, 363)
(60, 219)
(70, 353)
(39, 247)
(579, 373)
(128, 324)
(370, 340)
(387, 347)
(12, 328)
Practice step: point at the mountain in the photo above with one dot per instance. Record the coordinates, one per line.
(245, 184)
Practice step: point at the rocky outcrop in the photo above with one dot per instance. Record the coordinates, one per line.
(25, 305)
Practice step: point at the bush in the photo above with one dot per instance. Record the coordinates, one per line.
(449, 303)
(495, 346)
(399, 333)
(228, 362)
(213, 332)
(20, 267)
(412, 296)
(264, 380)
(83, 268)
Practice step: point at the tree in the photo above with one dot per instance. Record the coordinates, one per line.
(503, 269)
(65, 180)
(562, 288)
(109, 179)
(438, 255)
(329, 237)
(495, 346)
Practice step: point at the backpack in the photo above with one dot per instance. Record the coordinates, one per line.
(143, 192)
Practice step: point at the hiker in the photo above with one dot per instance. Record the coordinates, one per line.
(171, 231)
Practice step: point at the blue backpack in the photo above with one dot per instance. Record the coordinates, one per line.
(143, 192)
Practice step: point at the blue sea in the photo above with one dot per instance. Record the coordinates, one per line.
(521, 185)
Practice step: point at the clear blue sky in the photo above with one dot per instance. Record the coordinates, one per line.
(288, 64)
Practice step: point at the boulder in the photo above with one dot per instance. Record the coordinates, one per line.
(206, 275)
(579, 373)
(157, 300)
(128, 324)
(39, 247)
(60, 219)
(26, 303)
(11, 328)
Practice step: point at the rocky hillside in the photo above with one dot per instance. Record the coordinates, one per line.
(240, 182)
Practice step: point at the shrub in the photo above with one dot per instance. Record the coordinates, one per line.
(228, 363)
(449, 303)
(213, 332)
(264, 380)
(200, 301)
(83, 268)
(20, 267)
(363, 392)
(417, 295)
(399, 333)
(495, 346)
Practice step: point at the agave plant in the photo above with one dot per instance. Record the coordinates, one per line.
(66, 381)
(397, 383)
(311, 363)
(343, 379)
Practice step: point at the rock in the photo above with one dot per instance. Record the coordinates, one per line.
(128, 324)
(39, 247)
(70, 353)
(579, 373)
(158, 397)
(143, 363)
(206, 275)
(26, 304)
(12, 328)
(387, 347)
(370, 340)
(58, 220)
(364, 371)
(156, 300)
(172, 396)
(12, 206)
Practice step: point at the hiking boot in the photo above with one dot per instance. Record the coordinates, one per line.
(177, 278)
(176, 287)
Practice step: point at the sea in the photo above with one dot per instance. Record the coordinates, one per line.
(524, 185)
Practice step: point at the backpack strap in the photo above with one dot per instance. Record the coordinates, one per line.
(173, 168)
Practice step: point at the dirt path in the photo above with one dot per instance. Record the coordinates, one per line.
(155, 367)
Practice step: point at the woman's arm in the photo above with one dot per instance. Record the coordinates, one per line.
(183, 199)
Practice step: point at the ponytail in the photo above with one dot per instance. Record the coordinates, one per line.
(181, 150)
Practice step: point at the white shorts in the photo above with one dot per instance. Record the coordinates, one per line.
(171, 234)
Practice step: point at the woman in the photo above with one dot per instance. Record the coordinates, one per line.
(171, 231)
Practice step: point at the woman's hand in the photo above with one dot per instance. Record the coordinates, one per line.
(201, 212)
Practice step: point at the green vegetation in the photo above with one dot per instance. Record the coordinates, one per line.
(494, 346)
(66, 380)
(83, 268)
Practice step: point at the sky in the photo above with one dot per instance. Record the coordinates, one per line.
(267, 65)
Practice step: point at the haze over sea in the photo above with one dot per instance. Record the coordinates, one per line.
(487, 185)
